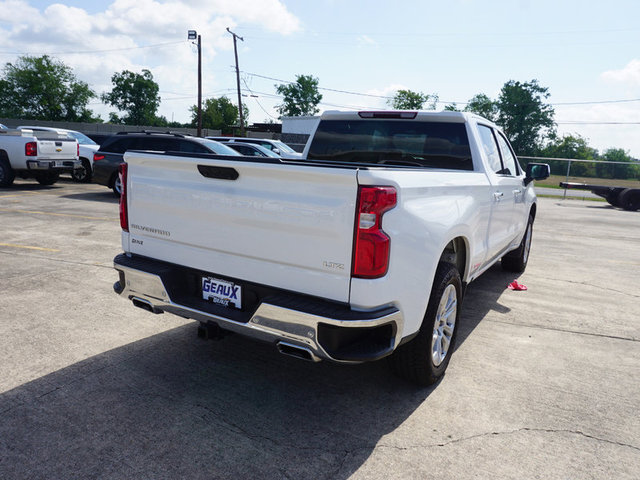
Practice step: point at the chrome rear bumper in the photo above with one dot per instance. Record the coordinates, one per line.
(371, 336)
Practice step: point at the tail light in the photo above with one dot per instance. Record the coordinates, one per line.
(31, 149)
(97, 156)
(124, 213)
(77, 149)
(372, 244)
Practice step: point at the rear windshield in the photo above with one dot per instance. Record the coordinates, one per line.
(393, 142)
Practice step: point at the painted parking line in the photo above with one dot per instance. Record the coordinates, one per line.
(28, 247)
(73, 215)
(21, 194)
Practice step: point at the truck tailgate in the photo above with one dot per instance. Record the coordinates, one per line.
(57, 149)
(287, 226)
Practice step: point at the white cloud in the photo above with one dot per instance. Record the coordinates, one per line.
(630, 74)
(115, 39)
(388, 91)
(603, 125)
(16, 11)
(365, 40)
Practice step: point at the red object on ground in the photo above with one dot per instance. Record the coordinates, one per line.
(516, 286)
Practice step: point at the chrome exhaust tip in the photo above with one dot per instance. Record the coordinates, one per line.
(297, 352)
(145, 305)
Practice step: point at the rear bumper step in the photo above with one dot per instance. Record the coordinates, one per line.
(301, 326)
(54, 165)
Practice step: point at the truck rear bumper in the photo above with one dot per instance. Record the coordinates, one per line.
(300, 325)
(54, 165)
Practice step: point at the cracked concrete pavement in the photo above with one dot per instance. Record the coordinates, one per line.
(543, 384)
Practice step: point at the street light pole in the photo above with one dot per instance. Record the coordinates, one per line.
(191, 35)
(235, 51)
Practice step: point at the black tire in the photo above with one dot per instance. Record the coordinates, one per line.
(613, 198)
(47, 178)
(82, 174)
(7, 175)
(116, 185)
(516, 260)
(629, 199)
(424, 359)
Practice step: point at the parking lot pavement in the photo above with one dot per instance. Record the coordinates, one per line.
(556, 192)
(543, 384)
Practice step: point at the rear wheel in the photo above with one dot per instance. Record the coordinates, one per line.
(424, 359)
(629, 199)
(613, 198)
(47, 178)
(117, 185)
(516, 260)
(83, 173)
(7, 175)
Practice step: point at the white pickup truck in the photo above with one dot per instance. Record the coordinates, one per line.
(359, 251)
(40, 155)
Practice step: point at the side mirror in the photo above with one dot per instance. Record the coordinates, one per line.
(276, 151)
(536, 171)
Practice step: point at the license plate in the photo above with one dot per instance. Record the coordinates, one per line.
(221, 292)
(58, 163)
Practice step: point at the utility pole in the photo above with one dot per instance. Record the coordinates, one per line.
(192, 36)
(199, 86)
(235, 51)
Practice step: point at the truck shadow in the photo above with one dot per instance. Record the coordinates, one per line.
(482, 296)
(106, 197)
(29, 187)
(174, 406)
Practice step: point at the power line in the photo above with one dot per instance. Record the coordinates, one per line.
(319, 88)
(596, 123)
(259, 104)
(597, 102)
(379, 33)
(280, 97)
(94, 51)
(446, 102)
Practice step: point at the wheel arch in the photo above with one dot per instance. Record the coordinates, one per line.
(456, 252)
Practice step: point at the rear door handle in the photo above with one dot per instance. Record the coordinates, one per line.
(517, 192)
(498, 195)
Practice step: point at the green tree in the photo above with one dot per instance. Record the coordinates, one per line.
(42, 88)
(524, 115)
(570, 146)
(628, 170)
(219, 114)
(136, 94)
(521, 110)
(483, 106)
(300, 98)
(409, 100)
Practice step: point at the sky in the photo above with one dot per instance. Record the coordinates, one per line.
(586, 53)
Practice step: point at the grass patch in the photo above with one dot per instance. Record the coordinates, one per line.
(562, 197)
(554, 182)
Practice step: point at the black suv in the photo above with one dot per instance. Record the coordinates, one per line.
(110, 155)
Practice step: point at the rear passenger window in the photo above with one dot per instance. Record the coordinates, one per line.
(120, 145)
(508, 159)
(192, 147)
(159, 144)
(490, 149)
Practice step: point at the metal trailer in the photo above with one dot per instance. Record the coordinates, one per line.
(622, 197)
